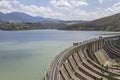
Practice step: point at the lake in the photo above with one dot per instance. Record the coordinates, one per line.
(24, 55)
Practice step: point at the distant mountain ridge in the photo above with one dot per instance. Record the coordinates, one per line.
(22, 21)
(110, 23)
(11, 22)
(22, 17)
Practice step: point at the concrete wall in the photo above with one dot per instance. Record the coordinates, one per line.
(96, 51)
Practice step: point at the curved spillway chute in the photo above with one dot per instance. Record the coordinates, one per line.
(96, 59)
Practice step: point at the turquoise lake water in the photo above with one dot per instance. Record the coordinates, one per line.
(24, 55)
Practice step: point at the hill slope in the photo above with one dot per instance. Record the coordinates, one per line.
(6, 25)
(110, 23)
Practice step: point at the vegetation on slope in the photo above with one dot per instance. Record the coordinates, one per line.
(11, 25)
(19, 26)
(110, 23)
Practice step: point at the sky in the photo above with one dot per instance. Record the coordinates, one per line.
(63, 9)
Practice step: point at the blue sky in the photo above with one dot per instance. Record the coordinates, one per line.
(63, 9)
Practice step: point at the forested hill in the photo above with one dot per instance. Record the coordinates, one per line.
(11, 25)
(110, 23)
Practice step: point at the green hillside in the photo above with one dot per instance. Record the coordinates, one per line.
(110, 23)
(4, 25)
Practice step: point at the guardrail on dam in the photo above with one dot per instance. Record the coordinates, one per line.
(95, 59)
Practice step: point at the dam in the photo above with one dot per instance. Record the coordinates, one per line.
(95, 59)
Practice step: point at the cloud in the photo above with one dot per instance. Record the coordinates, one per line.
(77, 3)
(7, 6)
(67, 4)
(115, 8)
(101, 1)
(64, 4)
(79, 14)
(39, 10)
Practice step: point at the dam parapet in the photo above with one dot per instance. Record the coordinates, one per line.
(95, 59)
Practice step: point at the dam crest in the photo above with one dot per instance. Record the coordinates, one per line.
(95, 59)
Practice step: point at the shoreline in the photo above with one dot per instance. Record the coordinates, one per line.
(107, 32)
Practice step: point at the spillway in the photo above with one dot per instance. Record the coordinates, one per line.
(95, 59)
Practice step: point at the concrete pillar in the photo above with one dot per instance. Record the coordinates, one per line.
(97, 45)
(93, 46)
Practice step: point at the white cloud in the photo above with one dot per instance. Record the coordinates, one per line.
(67, 4)
(115, 8)
(64, 4)
(7, 6)
(78, 3)
(84, 15)
(101, 1)
(39, 11)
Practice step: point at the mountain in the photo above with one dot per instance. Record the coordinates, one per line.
(22, 21)
(110, 23)
(22, 17)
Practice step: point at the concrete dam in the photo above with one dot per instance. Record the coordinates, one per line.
(95, 59)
